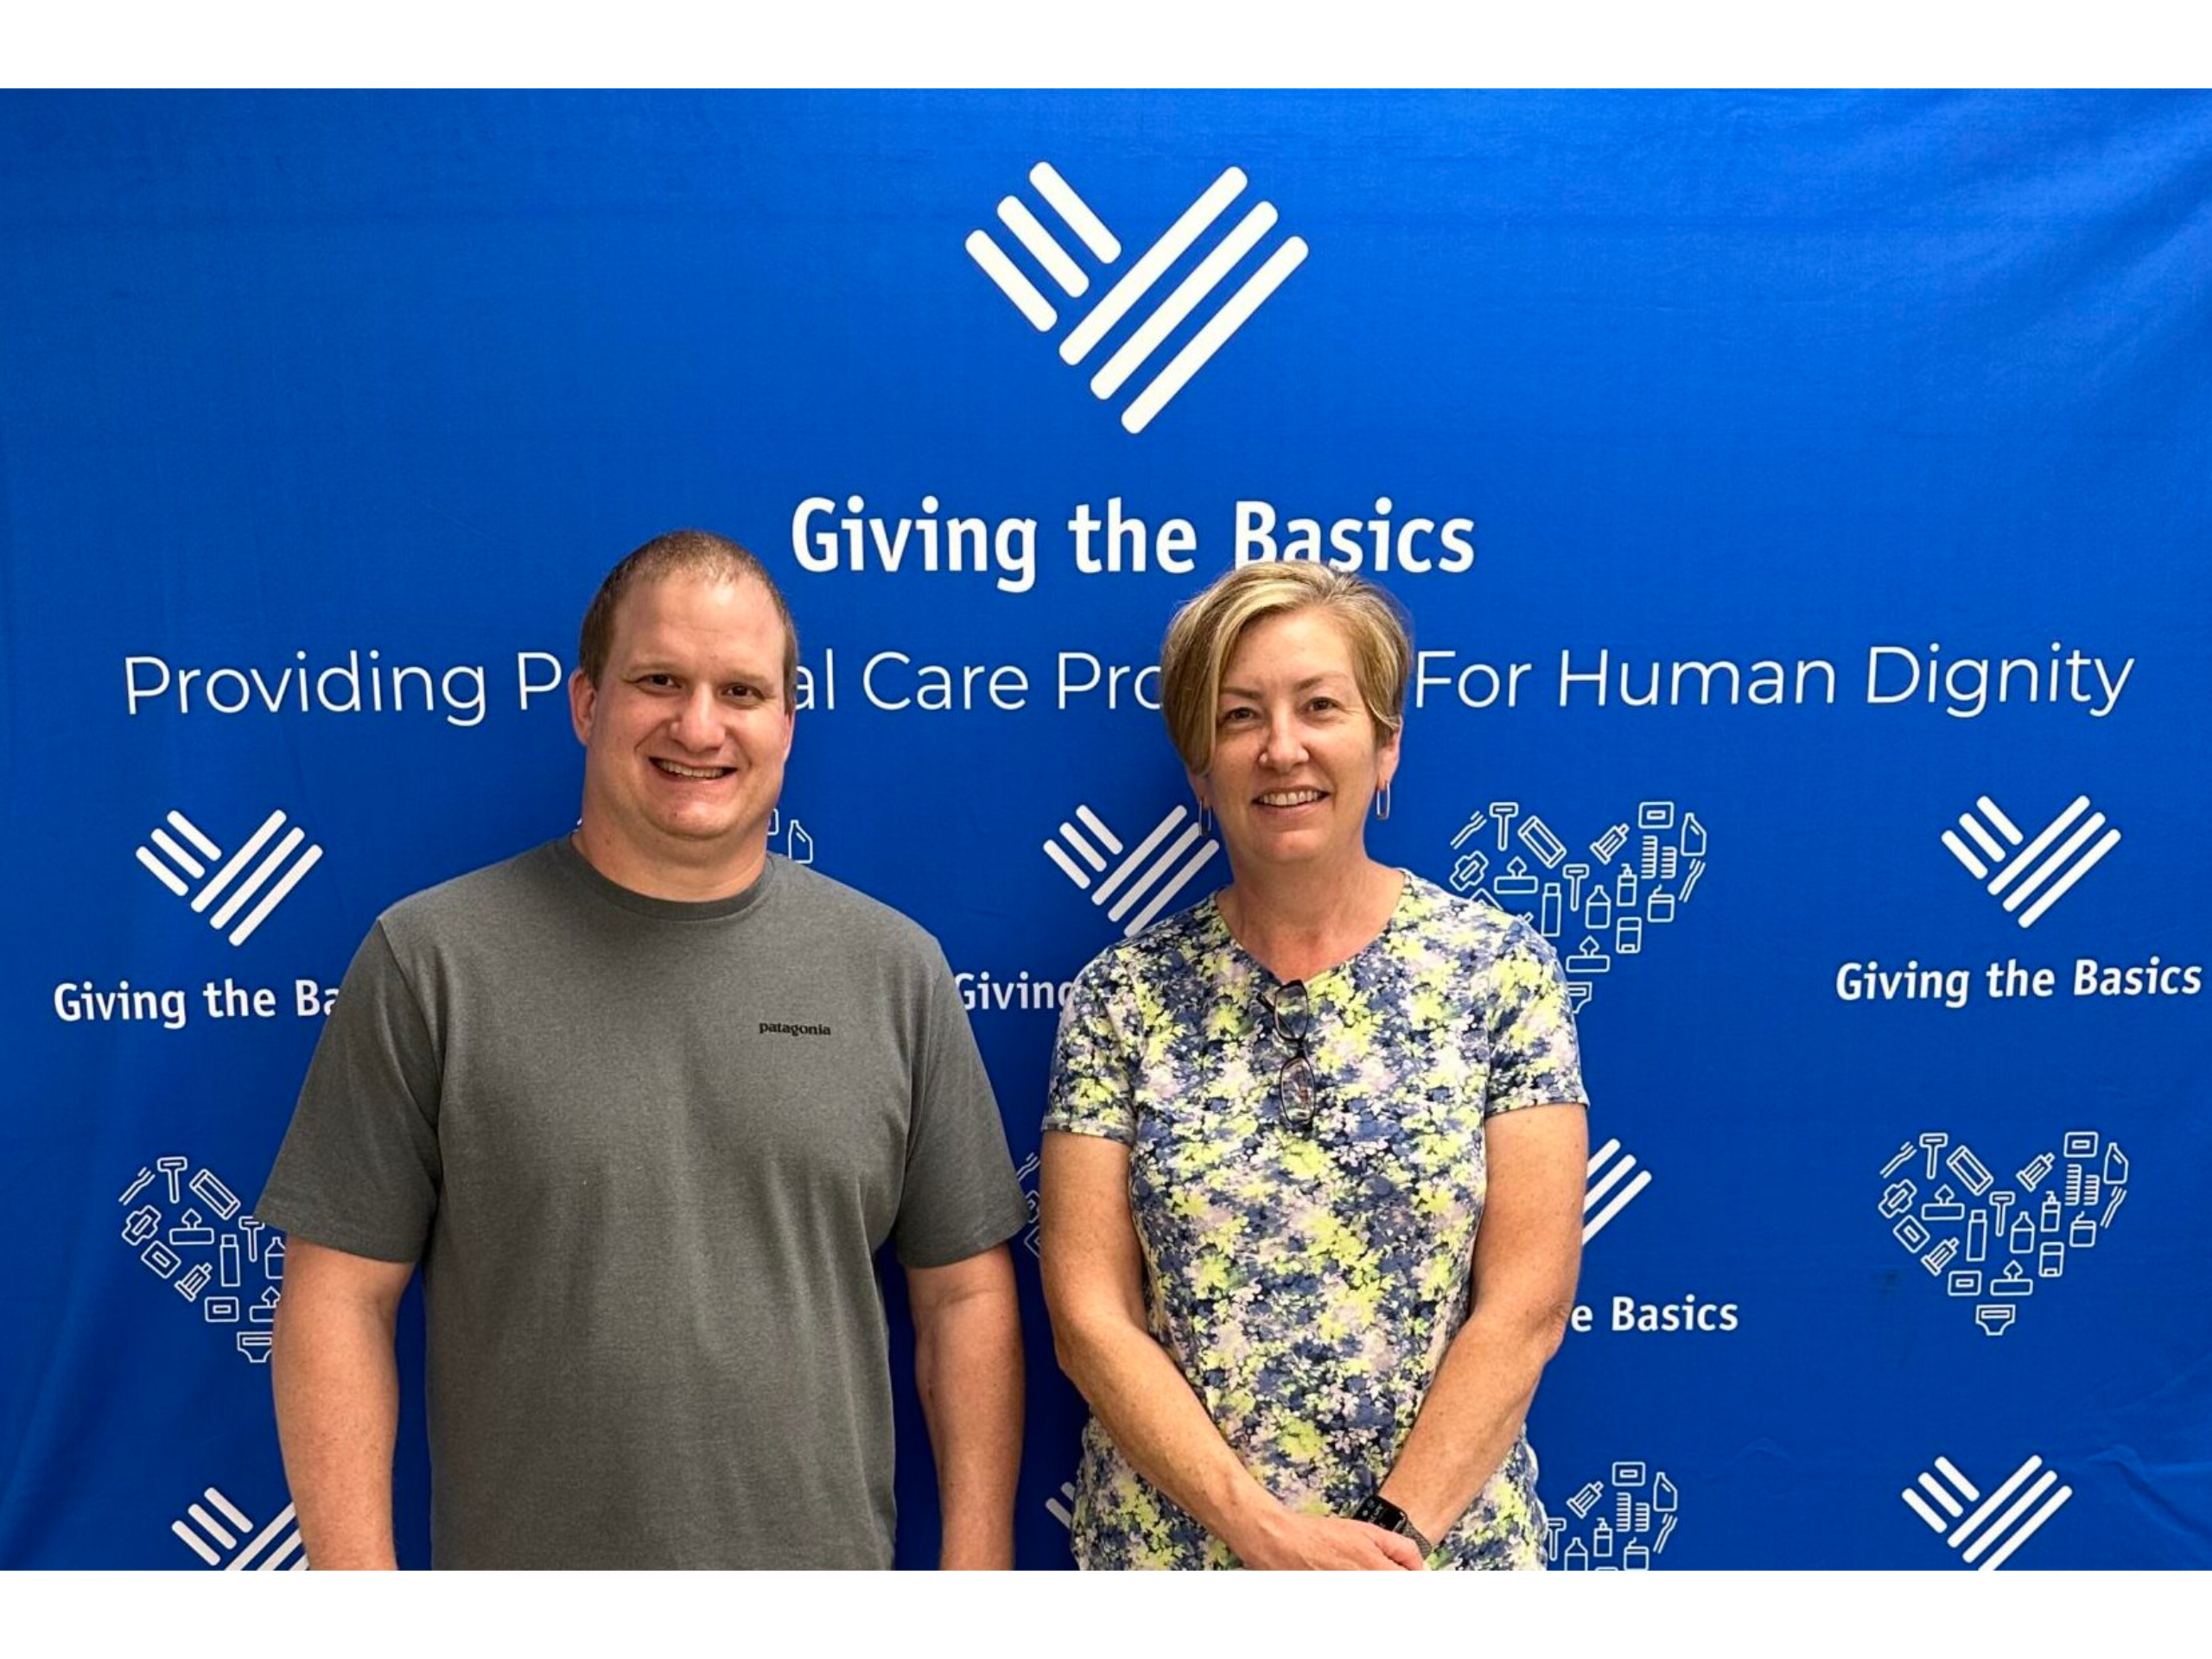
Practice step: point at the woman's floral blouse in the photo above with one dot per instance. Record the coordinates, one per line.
(1308, 1280)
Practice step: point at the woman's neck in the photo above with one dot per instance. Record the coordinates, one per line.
(1296, 925)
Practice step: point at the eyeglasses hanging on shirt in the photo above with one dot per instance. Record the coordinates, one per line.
(1297, 1089)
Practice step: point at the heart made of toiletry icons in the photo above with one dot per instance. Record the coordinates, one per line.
(1597, 900)
(191, 1233)
(1621, 1523)
(1997, 1238)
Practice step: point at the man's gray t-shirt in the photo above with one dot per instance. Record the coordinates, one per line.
(646, 1152)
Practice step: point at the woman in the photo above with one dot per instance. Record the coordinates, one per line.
(1305, 1253)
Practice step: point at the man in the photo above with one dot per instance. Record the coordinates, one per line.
(642, 1103)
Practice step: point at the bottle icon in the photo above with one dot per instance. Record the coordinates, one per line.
(2024, 1235)
(2115, 1166)
(2051, 1213)
(1598, 914)
(1601, 1541)
(1977, 1236)
(1624, 888)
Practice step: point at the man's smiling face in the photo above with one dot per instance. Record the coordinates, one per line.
(685, 736)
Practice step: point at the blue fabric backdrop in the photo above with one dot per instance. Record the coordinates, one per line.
(1836, 465)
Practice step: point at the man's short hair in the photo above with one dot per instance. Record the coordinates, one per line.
(1205, 634)
(687, 553)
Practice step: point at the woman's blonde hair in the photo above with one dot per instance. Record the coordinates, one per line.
(1204, 635)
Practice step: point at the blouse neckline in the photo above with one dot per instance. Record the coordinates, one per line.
(1219, 924)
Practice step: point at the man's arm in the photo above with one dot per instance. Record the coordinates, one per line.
(967, 1367)
(337, 1389)
(1528, 1254)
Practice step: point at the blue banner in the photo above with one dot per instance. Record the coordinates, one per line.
(1800, 498)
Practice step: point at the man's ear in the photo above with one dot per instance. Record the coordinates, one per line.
(583, 701)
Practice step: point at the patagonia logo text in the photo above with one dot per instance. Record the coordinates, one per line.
(787, 1030)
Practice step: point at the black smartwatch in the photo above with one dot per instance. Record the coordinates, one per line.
(1379, 1511)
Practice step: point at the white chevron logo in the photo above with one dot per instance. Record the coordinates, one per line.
(1996, 857)
(1082, 854)
(1605, 1173)
(1051, 257)
(1986, 1548)
(178, 861)
(217, 1531)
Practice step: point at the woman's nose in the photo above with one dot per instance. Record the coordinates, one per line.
(1283, 746)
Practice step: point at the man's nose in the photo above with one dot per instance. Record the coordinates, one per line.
(694, 725)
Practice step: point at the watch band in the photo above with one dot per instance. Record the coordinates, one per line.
(1379, 1511)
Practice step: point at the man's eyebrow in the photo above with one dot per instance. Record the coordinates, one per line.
(662, 665)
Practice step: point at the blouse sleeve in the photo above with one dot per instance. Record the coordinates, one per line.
(1535, 1060)
(1093, 1087)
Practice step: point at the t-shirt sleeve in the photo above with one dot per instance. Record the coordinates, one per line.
(1535, 1060)
(359, 1169)
(960, 1195)
(1093, 1085)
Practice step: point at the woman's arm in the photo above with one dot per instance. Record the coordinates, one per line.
(1527, 1255)
(1094, 1285)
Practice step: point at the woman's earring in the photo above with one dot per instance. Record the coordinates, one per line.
(1382, 802)
(1205, 819)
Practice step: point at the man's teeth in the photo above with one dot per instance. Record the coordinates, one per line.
(1291, 797)
(691, 772)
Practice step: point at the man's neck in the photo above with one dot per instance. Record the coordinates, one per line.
(680, 879)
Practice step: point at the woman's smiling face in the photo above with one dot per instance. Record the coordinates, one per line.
(1295, 760)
